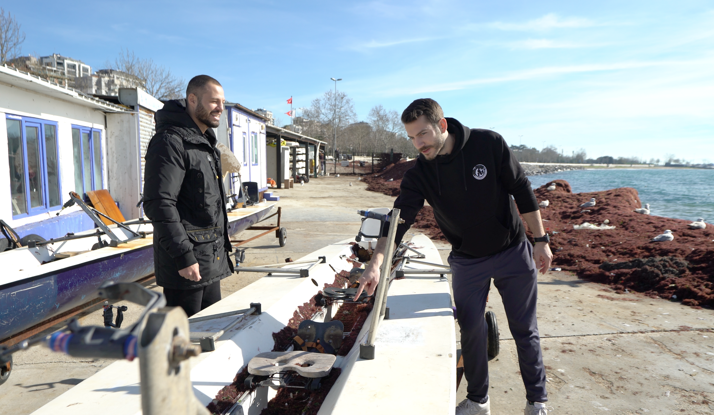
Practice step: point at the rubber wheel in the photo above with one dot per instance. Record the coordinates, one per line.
(493, 336)
(306, 178)
(282, 236)
(25, 240)
(4, 244)
(5, 373)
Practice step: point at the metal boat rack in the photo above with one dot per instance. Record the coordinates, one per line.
(280, 233)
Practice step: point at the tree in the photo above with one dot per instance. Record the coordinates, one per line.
(157, 80)
(386, 128)
(329, 114)
(11, 37)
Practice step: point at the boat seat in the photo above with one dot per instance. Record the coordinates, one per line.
(306, 364)
(103, 202)
(345, 294)
(320, 337)
(67, 254)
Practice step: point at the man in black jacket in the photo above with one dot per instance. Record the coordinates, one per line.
(468, 176)
(185, 199)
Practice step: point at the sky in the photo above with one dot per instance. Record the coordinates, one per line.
(618, 78)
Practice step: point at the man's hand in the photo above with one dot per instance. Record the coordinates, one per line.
(191, 273)
(368, 281)
(542, 256)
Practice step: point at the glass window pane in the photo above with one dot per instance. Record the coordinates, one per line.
(77, 155)
(97, 165)
(245, 148)
(34, 166)
(52, 169)
(87, 163)
(17, 167)
(255, 148)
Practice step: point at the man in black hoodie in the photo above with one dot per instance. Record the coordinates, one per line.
(471, 179)
(185, 199)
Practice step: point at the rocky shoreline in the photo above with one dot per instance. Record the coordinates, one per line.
(538, 169)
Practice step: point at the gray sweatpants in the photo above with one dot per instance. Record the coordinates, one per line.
(515, 275)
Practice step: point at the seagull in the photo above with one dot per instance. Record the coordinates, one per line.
(591, 203)
(544, 203)
(644, 210)
(666, 236)
(699, 224)
(550, 187)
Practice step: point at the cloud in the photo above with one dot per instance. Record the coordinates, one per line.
(547, 44)
(374, 44)
(537, 73)
(547, 22)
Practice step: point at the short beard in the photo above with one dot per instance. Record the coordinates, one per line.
(203, 115)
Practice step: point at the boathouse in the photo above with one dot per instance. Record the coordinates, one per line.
(53, 140)
(243, 131)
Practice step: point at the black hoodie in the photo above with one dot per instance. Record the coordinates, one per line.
(185, 200)
(470, 191)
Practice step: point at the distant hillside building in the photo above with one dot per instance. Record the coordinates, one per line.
(267, 114)
(107, 82)
(55, 68)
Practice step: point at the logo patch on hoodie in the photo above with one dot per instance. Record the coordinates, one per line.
(480, 172)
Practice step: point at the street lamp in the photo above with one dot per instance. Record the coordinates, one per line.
(334, 123)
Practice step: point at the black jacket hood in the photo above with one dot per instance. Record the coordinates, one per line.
(174, 116)
(461, 136)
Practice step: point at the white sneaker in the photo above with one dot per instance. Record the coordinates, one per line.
(536, 408)
(469, 407)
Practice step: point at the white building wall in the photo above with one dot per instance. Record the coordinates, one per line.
(246, 123)
(123, 162)
(26, 103)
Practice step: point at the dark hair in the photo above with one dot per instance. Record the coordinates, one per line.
(199, 82)
(426, 107)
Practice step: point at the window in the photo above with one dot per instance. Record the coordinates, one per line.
(34, 165)
(87, 155)
(245, 148)
(254, 149)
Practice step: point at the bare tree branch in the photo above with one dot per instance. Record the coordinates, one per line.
(329, 114)
(11, 37)
(157, 80)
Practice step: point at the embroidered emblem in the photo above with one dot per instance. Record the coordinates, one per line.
(480, 172)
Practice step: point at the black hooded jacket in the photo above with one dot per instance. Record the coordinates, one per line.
(470, 191)
(185, 200)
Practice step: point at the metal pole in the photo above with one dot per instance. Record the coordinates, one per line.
(367, 350)
(334, 124)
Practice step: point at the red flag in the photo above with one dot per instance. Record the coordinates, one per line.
(290, 113)
(290, 101)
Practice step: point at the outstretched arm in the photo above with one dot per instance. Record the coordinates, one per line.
(541, 250)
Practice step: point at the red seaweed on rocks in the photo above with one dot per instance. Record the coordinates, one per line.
(654, 268)
(625, 257)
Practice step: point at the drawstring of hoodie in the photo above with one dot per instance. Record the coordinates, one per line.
(463, 169)
(438, 182)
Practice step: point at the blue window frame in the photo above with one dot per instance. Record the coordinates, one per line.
(87, 156)
(34, 165)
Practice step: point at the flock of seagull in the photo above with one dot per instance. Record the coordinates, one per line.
(664, 237)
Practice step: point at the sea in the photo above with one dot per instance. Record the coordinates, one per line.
(673, 193)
